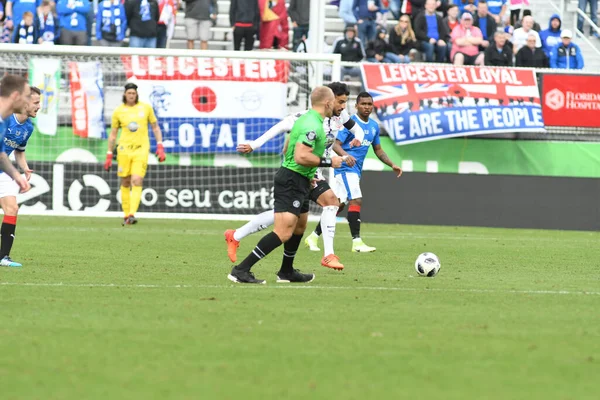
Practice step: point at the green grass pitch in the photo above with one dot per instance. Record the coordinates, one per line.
(145, 312)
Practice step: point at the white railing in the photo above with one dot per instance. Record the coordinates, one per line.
(582, 36)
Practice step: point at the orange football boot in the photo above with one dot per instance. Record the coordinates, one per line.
(332, 261)
(232, 245)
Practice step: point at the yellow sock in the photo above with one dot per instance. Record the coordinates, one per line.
(136, 197)
(125, 196)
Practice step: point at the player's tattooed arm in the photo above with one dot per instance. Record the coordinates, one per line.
(383, 157)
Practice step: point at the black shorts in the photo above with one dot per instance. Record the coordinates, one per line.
(291, 192)
(317, 191)
(469, 60)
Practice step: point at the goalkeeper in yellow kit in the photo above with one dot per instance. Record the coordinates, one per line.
(133, 118)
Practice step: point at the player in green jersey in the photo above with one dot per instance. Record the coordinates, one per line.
(292, 185)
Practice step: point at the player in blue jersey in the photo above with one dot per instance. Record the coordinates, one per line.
(19, 128)
(347, 178)
(14, 97)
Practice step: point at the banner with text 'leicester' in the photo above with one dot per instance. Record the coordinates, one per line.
(206, 105)
(417, 103)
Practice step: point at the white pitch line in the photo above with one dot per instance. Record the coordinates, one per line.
(400, 235)
(293, 287)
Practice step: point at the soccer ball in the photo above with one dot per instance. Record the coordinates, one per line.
(427, 264)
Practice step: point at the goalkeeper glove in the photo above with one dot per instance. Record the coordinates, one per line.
(108, 162)
(160, 152)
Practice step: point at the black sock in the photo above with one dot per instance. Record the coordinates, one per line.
(267, 244)
(354, 222)
(318, 229)
(7, 232)
(289, 253)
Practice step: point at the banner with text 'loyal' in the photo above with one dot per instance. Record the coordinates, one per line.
(417, 103)
(210, 105)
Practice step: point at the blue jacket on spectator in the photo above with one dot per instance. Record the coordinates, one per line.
(346, 12)
(566, 57)
(551, 37)
(111, 21)
(73, 18)
(461, 4)
(361, 10)
(20, 6)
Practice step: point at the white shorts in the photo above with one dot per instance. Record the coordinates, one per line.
(347, 186)
(8, 187)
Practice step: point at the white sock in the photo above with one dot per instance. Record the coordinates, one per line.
(257, 223)
(328, 220)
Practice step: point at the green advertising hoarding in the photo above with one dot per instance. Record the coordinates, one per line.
(460, 155)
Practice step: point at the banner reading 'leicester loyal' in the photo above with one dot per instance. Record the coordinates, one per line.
(417, 103)
(206, 105)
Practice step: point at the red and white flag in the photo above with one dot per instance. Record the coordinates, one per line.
(87, 99)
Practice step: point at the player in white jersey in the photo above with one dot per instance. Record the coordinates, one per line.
(347, 177)
(321, 192)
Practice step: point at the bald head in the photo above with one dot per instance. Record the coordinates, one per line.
(322, 100)
(321, 95)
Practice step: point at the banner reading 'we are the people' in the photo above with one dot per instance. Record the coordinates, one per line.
(418, 103)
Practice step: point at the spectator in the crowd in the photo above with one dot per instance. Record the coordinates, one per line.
(382, 14)
(142, 18)
(351, 49)
(485, 22)
(198, 21)
(244, 17)
(27, 32)
(593, 15)
(345, 11)
(14, 11)
(432, 33)
(508, 32)
(531, 56)
(526, 13)
(274, 28)
(47, 24)
(551, 37)
(520, 35)
(417, 6)
(379, 50)
(466, 5)
(1, 11)
(515, 7)
(167, 19)
(111, 23)
(365, 12)
(566, 55)
(89, 23)
(451, 19)
(394, 7)
(73, 15)
(466, 40)
(403, 39)
(299, 12)
(498, 53)
(497, 9)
